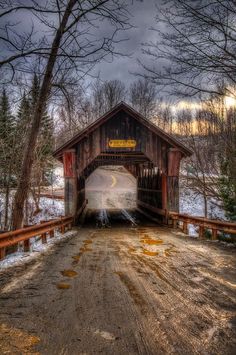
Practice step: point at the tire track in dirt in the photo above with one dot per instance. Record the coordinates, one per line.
(121, 300)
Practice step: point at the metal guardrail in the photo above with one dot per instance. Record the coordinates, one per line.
(11, 238)
(203, 223)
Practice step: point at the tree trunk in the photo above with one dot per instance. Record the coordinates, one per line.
(7, 193)
(205, 205)
(25, 174)
(7, 184)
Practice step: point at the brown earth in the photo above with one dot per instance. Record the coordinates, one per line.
(139, 290)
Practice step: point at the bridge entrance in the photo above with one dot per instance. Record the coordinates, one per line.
(123, 137)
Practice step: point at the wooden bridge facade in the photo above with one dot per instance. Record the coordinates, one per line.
(124, 137)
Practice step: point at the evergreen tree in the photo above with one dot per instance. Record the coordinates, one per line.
(24, 113)
(22, 126)
(227, 159)
(34, 93)
(6, 119)
(43, 153)
(227, 188)
(43, 156)
(6, 151)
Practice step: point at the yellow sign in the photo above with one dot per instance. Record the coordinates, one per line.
(122, 143)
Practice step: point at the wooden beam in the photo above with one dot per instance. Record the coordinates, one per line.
(164, 191)
(156, 210)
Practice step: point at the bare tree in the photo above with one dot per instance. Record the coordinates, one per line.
(194, 50)
(201, 169)
(72, 43)
(114, 92)
(74, 114)
(164, 116)
(106, 95)
(142, 95)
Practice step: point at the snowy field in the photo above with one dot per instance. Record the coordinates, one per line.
(193, 204)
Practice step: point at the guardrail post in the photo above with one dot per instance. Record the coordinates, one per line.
(51, 233)
(201, 232)
(174, 222)
(185, 227)
(63, 229)
(26, 245)
(44, 238)
(214, 234)
(2, 253)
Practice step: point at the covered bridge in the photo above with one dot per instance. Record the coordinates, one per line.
(124, 137)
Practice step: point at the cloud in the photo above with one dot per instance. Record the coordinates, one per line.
(142, 18)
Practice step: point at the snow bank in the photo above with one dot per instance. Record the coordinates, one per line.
(49, 209)
(193, 204)
(58, 178)
(36, 248)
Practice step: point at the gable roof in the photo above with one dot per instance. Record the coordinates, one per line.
(122, 106)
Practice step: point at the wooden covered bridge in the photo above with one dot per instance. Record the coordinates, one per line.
(124, 137)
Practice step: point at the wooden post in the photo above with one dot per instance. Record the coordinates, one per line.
(63, 229)
(70, 176)
(201, 232)
(2, 253)
(174, 222)
(51, 233)
(173, 164)
(214, 234)
(185, 227)
(164, 195)
(44, 238)
(26, 245)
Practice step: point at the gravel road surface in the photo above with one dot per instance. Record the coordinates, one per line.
(121, 285)
(131, 290)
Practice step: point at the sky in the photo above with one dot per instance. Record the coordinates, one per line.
(89, 36)
(143, 18)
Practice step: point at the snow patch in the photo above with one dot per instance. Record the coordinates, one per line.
(193, 204)
(36, 248)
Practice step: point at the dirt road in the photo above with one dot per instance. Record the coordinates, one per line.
(132, 290)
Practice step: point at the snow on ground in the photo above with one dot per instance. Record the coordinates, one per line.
(193, 204)
(49, 209)
(36, 248)
(58, 178)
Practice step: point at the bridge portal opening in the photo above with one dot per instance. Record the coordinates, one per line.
(111, 187)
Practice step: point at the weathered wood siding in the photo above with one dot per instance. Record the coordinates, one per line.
(152, 161)
(122, 126)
